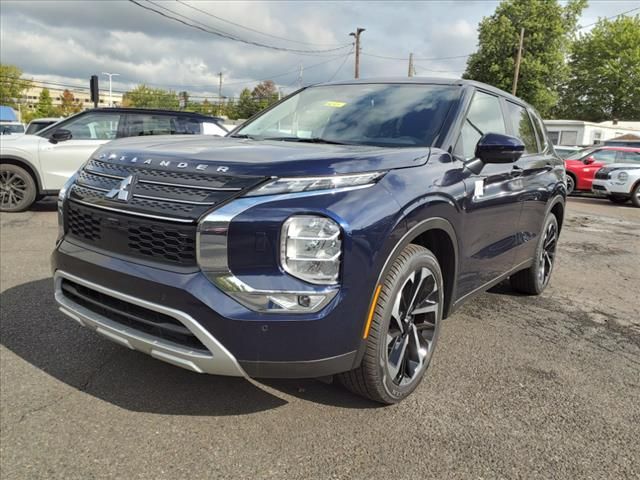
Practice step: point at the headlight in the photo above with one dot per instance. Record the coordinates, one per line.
(623, 176)
(309, 184)
(62, 197)
(310, 249)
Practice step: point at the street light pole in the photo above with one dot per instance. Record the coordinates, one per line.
(110, 94)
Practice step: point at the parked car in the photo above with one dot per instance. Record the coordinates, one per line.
(330, 234)
(564, 151)
(11, 128)
(38, 124)
(620, 182)
(582, 166)
(32, 166)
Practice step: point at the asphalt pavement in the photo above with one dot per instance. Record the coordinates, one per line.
(520, 387)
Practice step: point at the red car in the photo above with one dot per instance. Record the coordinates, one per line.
(583, 165)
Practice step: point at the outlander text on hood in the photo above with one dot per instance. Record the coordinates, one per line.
(329, 235)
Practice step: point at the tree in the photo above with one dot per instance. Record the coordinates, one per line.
(146, 97)
(12, 85)
(69, 104)
(247, 105)
(549, 29)
(265, 93)
(45, 107)
(605, 73)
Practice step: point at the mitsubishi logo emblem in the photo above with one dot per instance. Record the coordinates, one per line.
(124, 191)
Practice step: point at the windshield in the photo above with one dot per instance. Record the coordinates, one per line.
(389, 115)
(581, 153)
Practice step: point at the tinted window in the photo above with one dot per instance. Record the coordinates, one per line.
(93, 126)
(484, 116)
(522, 127)
(9, 129)
(37, 126)
(392, 115)
(629, 157)
(605, 156)
(539, 127)
(155, 124)
(554, 137)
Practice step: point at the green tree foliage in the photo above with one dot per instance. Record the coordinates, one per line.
(265, 93)
(605, 73)
(45, 107)
(12, 85)
(247, 105)
(146, 97)
(549, 28)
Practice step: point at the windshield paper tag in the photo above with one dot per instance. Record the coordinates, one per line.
(335, 104)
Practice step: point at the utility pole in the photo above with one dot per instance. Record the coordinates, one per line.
(110, 94)
(300, 72)
(411, 71)
(219, 93)
(516, 73)
(356, 35)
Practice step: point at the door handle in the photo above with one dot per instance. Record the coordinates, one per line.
(516, 172)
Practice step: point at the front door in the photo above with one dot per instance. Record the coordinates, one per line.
(58, 161)
(491, 204)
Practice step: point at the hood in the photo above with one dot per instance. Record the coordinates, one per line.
(259, 157)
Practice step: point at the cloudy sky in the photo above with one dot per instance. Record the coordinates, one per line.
(67, 41)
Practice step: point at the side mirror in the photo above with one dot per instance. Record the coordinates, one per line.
(60, 135)
(495, 148)
(589, 160)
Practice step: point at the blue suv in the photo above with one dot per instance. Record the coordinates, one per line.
(329, 235)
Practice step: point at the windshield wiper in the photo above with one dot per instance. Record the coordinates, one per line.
(306, 140)
(244, 135)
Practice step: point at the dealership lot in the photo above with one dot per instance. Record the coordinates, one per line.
(520, 386)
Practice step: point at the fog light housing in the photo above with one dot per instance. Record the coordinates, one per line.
(311, 249)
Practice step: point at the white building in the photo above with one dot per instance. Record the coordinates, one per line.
(579, 133)
(82, 97)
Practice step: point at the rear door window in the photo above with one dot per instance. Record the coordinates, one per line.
(141, 124)
(629, 157)
(484, 116)
(522, 126)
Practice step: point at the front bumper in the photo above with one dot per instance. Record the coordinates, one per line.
(237, 342)
(609, 187)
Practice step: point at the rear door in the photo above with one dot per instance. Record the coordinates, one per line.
(491, 206)
(88, 132)
(540, 173)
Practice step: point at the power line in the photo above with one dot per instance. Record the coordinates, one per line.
(608, 18)
(404, 59)
(190, 22)
(253, 29)
(346, 57)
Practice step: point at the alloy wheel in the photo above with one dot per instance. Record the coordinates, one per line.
(571, 185)
(412, 327)
(548, 253)
(13, 189)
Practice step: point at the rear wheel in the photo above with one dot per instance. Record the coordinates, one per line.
(533, 280)
(635, 196)
(404, 329)
(17, 188)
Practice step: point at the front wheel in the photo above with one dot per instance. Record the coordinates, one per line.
(17, 188)
(403, 330)
(533, 280)
(635, 196)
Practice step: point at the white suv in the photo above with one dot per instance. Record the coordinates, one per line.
(32, 166)
(620, 182)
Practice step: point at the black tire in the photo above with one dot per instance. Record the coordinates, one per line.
(635, 195)
(533, 280)
(571, 184)
(374, 378)
(17, 188)
(617, 199)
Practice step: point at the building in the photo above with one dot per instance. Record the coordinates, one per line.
(82, 97)
(579, 133)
